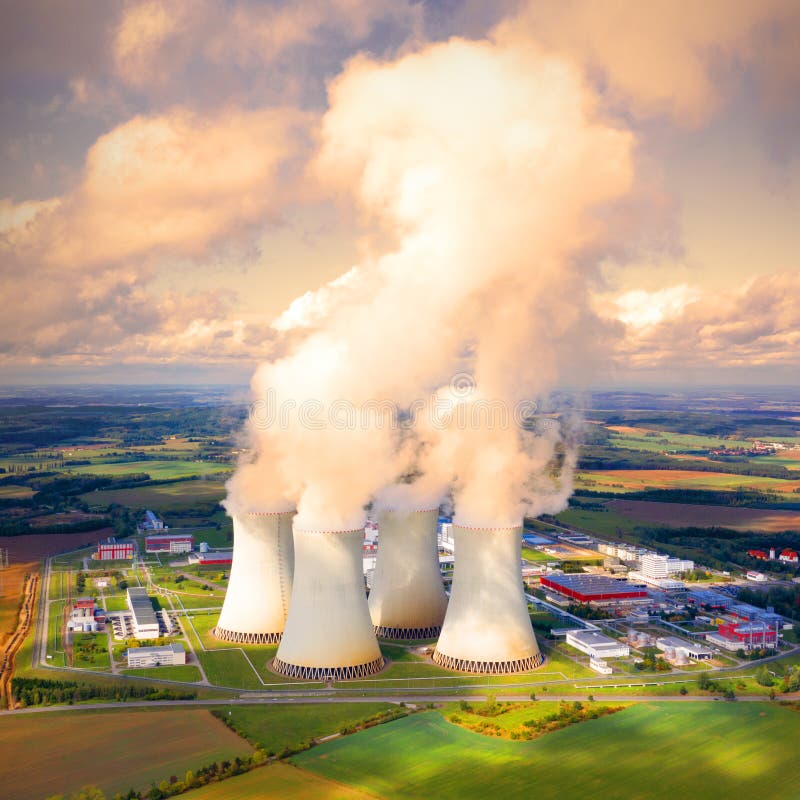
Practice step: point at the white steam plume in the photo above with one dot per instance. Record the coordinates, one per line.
(484, 163)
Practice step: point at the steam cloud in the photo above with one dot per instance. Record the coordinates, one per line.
(483, 164)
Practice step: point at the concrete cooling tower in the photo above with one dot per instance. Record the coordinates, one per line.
(487, 628)
(328, 632)
(407, 600)
(260, 585)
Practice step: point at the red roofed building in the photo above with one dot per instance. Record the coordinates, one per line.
(760, 554)
(789, 556)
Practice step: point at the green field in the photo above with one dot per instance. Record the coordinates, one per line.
(115, 750)
(652, 750)
(529, 554)
(276, 782)
(274, 728)
(668, 441)
(606, 523)
(165, 497)
(157, 470)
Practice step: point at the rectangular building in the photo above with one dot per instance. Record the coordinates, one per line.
(166, 655)
(145, 622)
(592, 588)
(169, 543)
(693, 650)
(211, 557)
(596, 644)
(112, 551)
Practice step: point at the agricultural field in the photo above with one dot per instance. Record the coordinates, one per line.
(634, 480)
(161, 498)
(652, 750)
(15, 492)
(701, 516)
(633, 438)
(273, 728)
(115, 750)
(277, 782)
(157, 470)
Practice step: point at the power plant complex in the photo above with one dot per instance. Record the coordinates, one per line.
(305, 590)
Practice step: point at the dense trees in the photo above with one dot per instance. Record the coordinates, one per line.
(38, 691)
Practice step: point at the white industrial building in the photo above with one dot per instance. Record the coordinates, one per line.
(597, 645)
(487, 628)
(166, 655)
(684, 649)
(654, 566)
(407, 598)
(145, 622)
(257, 601)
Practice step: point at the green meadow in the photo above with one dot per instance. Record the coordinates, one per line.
(650, 750)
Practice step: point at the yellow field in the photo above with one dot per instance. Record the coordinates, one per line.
(623, 480)
(279, 781)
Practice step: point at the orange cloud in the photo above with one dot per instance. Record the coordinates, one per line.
(174, 183)
(661, 56)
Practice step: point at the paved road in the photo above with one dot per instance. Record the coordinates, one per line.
(420, 700)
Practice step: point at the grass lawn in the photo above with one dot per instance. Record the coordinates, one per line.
(529, 554)
(275, 727)
(47, 753)
(653, 750)
(276, 782)
(180, 672)
(90, 651)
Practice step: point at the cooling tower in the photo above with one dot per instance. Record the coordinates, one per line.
(260, 585)
(487, 628)
(407, 600)
(328, 632)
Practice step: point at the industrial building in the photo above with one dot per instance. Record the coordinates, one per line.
(152, 523)
(262, 569)
(597, 645)
(682, 649)
(745, 636)
(165, 655)
(407, 598)
(113, 550)
(654, 566)
(212, 558)
(329, 633)
(145, 622)
(592, 588)
(169, 543)
(487, 628)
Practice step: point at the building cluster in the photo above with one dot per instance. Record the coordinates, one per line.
(787, 556)
(84, 615)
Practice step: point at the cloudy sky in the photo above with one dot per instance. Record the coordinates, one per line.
(186, 185)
